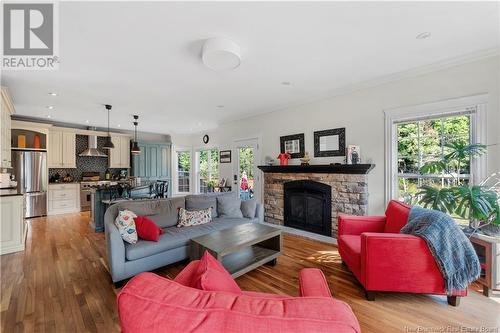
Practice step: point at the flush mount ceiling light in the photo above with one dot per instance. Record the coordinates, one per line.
(423, 35)
(135, 147)
(52, 94)
(221, 54)
(108, 144)
(50, 107)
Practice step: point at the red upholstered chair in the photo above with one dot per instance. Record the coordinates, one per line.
(382, 259)
(151, 303)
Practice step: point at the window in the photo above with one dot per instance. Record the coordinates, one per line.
(208, 169)
(183, 170)
(417, 134)
(422, 141)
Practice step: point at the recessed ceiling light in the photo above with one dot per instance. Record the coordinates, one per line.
(49, 116)
(52, 94)
(50, 107)
(119, 125)
(423, 35)
(87, 121)
(286, 83)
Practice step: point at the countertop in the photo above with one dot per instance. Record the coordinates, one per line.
(8, 192)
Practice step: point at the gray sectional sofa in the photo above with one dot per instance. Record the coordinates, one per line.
(126, 260)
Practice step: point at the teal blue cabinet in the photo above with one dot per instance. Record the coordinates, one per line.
(153, 162)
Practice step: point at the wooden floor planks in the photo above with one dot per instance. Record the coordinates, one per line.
(60, 284)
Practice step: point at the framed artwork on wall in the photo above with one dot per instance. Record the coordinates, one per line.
(293, 145)
(353, 154)
(225, 156)
(329, 142)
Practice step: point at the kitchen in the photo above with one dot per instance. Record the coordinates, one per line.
(57, 168)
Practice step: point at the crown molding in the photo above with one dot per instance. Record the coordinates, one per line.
(385, 79)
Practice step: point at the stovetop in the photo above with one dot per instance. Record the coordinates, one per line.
(93, 183)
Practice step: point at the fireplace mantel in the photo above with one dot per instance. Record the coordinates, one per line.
(358, 169)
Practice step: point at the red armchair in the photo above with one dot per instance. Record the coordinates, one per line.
(151, 303)
(382, 259)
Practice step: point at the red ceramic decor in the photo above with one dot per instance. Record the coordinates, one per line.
(284, 158)
(36, 142)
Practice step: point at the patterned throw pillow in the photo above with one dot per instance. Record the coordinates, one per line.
(126, 225)
(188, 218)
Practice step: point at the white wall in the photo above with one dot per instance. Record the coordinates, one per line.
(361, 113)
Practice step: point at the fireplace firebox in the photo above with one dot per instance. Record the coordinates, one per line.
(308, 206)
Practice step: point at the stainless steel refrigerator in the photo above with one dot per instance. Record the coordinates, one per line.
(30, 169)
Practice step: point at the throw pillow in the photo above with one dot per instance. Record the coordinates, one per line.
(397, 216)
(201, 201)
(126, 225)
(248, 208)
(196, 217)
(212, 276)
(229, 206)
(147, 229)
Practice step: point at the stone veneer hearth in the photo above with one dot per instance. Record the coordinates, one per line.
(349, 190)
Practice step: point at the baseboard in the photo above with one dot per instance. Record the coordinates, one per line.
(305, 234)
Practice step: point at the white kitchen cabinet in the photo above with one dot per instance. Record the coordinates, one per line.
(69, 150)
(62, 149)
(12, 224)
(119, 157)
(7, 109)
(64, 198)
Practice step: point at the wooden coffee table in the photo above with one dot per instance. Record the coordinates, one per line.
(240, 248)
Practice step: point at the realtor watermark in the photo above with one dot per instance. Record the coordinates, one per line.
(450, 328)
(30, 36)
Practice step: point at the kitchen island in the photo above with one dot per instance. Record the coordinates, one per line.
(106, 195)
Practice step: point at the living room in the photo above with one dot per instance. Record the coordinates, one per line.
(251, 166)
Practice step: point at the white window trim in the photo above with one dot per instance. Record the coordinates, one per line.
(175, 178)
(197, 164)
(476, 104)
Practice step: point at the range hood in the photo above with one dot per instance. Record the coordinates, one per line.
(92, 149)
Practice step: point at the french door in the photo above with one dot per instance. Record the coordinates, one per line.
(247, 178)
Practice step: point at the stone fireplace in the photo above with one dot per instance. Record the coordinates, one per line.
(304, 188)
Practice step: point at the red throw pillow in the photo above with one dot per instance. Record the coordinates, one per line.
(396, 216)
(212, 276)
(147, 229)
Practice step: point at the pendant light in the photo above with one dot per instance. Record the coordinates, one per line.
(135, 147)
(108, 144)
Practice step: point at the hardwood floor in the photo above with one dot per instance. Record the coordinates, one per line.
(60, 284)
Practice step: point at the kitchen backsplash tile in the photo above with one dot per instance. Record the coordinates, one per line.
(87, 163)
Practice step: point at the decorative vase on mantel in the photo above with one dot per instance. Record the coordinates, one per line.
(284, 157)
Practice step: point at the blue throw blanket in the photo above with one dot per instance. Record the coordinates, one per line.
(452, 250)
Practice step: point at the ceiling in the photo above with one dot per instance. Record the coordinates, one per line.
(144, 58)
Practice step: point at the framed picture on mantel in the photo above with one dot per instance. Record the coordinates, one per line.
(293, 145)
(329, 142)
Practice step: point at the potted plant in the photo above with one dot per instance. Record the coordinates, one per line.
(210, 185)
(476, 203)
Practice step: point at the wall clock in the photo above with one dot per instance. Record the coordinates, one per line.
(205, 139)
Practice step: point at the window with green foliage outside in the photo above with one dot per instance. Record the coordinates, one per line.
(183, 170)
(422, 141)
(208, 169)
